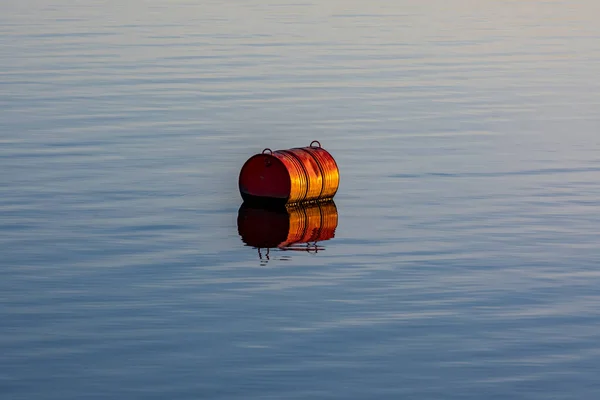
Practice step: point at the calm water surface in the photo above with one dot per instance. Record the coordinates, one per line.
(465, 263)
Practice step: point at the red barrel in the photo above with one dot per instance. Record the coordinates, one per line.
(290, 176)
(287, 228)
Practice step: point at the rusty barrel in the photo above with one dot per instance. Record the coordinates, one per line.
(296, 175)
(287, 227)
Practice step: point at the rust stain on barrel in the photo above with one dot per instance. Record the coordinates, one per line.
(295, 175)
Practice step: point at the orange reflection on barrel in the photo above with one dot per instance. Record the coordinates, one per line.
(287, 228)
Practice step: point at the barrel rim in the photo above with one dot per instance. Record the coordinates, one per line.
(247, 163)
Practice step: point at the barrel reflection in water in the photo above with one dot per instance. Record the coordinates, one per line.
(298, 227)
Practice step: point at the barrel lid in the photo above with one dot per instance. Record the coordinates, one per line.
(264, 175)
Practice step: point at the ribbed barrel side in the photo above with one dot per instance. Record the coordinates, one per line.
(299, 177)
(329, 171)
(313, 172)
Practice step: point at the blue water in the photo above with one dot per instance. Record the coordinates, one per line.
(465, 263)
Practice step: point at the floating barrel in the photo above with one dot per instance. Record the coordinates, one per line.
(296, 175)
(287, 227)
